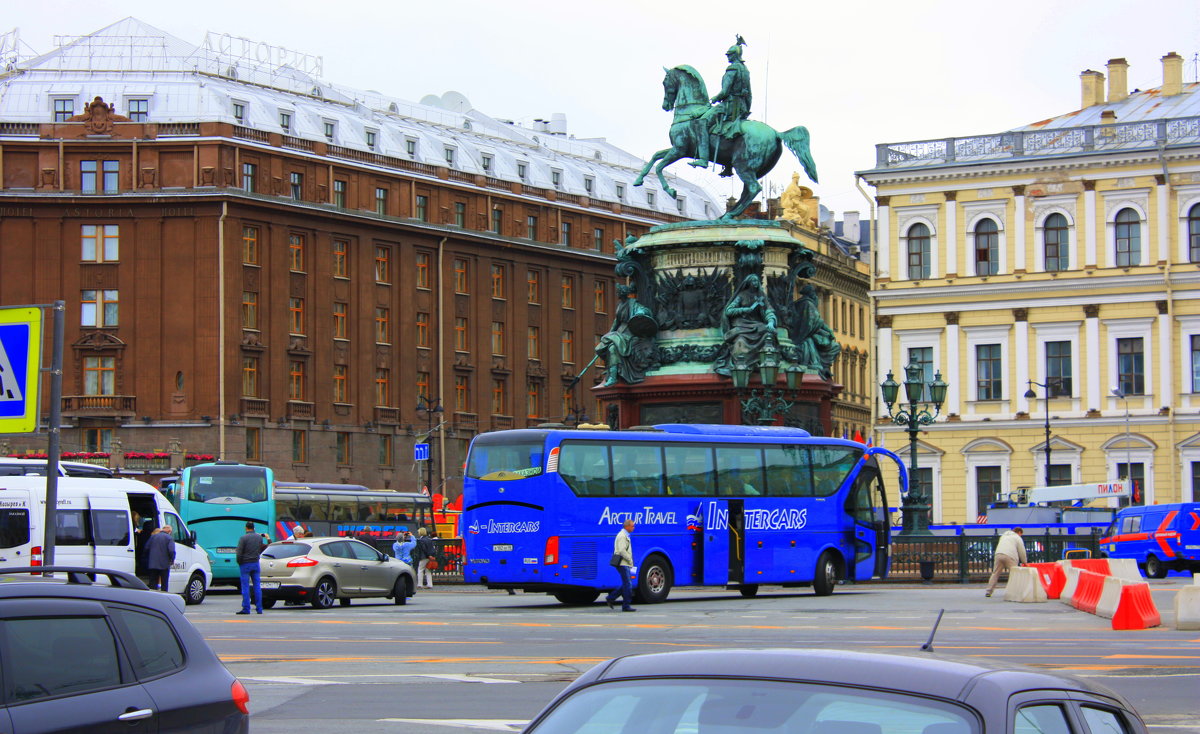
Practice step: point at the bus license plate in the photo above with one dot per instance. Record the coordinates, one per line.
(226, 550)
(502, 547)
(270, 584)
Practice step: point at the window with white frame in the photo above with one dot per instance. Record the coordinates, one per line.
(450, 154)
(371, 138)
(1056, 247)
(1189, 334)
(522, 170)
(987, 247)
(1193, 234)
(239, 112)
(988, 365)
(410, 147)
(989, 465)
(918, 251)
(1131, 365)
(330, 129)
(285, 120)
(138, 109)
(486, 162)
(1057, 349)
(64, 108)
(1130, 349)
(1128, 238)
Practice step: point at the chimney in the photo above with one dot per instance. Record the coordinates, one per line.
(1093, 88)
(850, 228)
(1172, 74)
(1108, 117)
(1118, 80)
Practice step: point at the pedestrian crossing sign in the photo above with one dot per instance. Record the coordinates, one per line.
(20, 360)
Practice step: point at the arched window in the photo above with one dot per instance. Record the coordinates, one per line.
(918, 252)
(987, 247)
(1194, 234)
(1129, 238)
(1054, 242)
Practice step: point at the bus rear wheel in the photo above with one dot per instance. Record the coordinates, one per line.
(826, 575)
(654, 580)
(749, 590)
(576, 597)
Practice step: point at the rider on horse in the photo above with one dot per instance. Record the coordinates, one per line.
(732, 105)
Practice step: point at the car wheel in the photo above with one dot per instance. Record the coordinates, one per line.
(193, 593)
(654, 580)
(268, 603)
(576, 597)
(402, 590)
(826, 575)
(749, 590)
(1155, 569)
(344, 601)
(324, 593)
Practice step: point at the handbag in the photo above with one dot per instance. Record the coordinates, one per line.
(615, 560)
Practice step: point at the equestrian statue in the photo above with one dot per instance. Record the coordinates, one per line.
(717, 130)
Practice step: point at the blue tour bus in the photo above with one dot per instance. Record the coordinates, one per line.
(714, 505)
(216, 500)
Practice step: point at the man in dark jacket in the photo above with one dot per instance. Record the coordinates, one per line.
(160, 554)
(250, 546)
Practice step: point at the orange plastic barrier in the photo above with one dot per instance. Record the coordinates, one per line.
(1087, 592)
(1052, 577)
(1096, 565)
(1136, 610)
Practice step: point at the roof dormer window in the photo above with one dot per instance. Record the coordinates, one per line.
(449, 156)
(486, 160)
(330, 129)
(410, 146)
(285, 120)
(522, 170)
(239, 112)
(650, 198)
(138, 109)
(372, 136)
(556, 178)
(621, 191)
(589, 184)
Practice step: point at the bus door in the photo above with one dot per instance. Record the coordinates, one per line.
(724, 542)
(867, 506)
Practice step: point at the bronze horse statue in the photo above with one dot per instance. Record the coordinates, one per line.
(751, 155)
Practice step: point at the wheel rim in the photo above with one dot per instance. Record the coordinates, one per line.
(195, 589)
(325, 594)
(656, 579)
(830, 571)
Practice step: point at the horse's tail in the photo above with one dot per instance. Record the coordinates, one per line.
(796, 140)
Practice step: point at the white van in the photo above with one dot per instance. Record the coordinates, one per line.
(15, 467)
(95, 528)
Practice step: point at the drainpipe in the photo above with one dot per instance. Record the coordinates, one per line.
(221, 330)
(1176, 480)
(441, 363)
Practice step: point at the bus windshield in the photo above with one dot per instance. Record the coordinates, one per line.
(227, 484)
(507, 455)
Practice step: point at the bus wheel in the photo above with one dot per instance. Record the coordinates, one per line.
(577, 597)
(193, 593)
(324, 593)
(749, 590)
(1155, 569)
(827, 574)
(654, 580)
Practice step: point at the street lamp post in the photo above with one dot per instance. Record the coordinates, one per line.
(1031, 395)
(430, 406)
(1119, 393)
(915, 505)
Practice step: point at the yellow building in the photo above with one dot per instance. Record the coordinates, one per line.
(1063, 254)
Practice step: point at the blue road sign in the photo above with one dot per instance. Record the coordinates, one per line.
(20, 360)
(421, 452)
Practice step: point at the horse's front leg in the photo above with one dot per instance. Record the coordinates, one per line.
(672, 155)
(650, 164)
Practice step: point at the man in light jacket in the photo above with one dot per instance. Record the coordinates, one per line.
(624, 548)
(1010, 553)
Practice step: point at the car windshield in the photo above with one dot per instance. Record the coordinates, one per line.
(227, 484)
(689, 706)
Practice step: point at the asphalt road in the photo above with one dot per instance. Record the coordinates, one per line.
(466, 659)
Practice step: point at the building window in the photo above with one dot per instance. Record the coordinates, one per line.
(383, 387)
(249, 309)
(343, 448)
(1136, 474)
(299, 447)
(340, 320)
(422, 207)
(1193, 225)
(330, 129)
(923, 358)
(499, 398)
(422, 329)
(600, 297)
(253, 445)
(1055, 243)
(533, 399)
(239, 113)
(386, 455)
(462, 393)
(1060, 475)
(341, 259)
(97, 440)
(589, 184)
(296, 369)
(621, 191)
(297, 186)
(1058, 369)
(410, 147)
(341, 391)
(565, 236)
(64, 109)
(568, 346)
(650, 199)
(339, 194)
(105, 173)
(383, 271)
(1195, 344)
(423, 263)
(988, 486)
(100, 242)
(556, 179)
(499, 286)
(139, 110)
(461, 276)
(99, 308)
(918, 252)
(423, 383)
(497, 220)
(533, 283)
(1131, 370)
(381, 197)
(99, 375)
(285, 121)
(987, 247)
(533, 342)
(383, 325)
(498, 337)
(460, 214)
(296, 315)
(371, 136)
(462, 342)
(296, 252)
(249, 176)
(522, 170)
(449, 152)
(988, 373)
(568, 291)
(531, 227)
(597, 239)
(250, 245)
(486, 163)
(1129, 238)
(250, 382)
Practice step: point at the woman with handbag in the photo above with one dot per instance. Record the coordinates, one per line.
(622, 560)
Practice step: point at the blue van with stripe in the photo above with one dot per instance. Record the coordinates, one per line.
(1160, 538)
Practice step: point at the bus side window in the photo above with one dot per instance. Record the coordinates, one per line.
(637, 469)
(789, 471)
(739, 471)
(830, 466)
(689, 470)
(584, 466)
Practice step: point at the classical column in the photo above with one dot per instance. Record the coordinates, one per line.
(1165, 381)
(883, 346)
(883, 240)
(1091, 356)
(1021, 356)
(1164, 221)
(950, 235)
(1089, 224)
(1017, 244)
(953, 372)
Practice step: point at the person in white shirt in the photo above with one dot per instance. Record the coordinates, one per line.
(1010, 553)
(623, 560)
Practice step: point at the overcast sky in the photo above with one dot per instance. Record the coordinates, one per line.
(855, 73)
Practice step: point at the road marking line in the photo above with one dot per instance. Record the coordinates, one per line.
(294, 681)
(507, 725)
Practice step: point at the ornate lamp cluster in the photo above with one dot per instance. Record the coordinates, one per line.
(924, 405)
(763, 405)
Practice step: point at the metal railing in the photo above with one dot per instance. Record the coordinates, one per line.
(968, 558)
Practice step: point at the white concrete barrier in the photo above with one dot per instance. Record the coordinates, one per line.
(1125, 568)
(1024, 586)
(1187, 607)
(1110, 596)
(1068, 593)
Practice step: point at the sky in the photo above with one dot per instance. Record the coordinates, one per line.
(856, 73)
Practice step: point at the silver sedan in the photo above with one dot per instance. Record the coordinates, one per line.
(321, 570)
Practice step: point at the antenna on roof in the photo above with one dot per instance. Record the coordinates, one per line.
(928, 646)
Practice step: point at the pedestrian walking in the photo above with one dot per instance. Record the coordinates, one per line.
(249, 548)
(622, 560)
(1010, 553)
(160, 555)
(423, 554)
